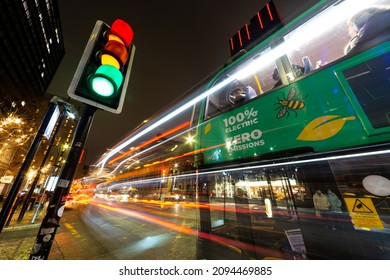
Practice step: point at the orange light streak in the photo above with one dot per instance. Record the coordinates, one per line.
(183, 155)
(173, 130)
(229, 243)
(129, 174)
(81, 156)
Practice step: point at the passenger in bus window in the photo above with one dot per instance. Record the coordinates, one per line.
(335, 210)
(239, 93)
(334, 201)
(297, 72)
(276, 78)
(321, 203)
(319, 64)
(371, 25)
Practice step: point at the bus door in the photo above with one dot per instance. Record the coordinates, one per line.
(280, 189)
(275, 218)
(251, 210)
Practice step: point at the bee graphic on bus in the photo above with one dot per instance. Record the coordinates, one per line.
(290, 104)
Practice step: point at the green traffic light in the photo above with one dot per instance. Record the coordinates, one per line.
(106, 81)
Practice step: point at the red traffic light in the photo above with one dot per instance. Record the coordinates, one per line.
(102, 76)
(122, 30)
(108, 77)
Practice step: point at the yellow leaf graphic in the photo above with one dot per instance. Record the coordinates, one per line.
(207, 128)
(323, 128)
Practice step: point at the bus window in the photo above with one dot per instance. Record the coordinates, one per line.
(260, 80)
(291, 55)
(331, 40)
(369, 82)
(369, 27)
(326, 43)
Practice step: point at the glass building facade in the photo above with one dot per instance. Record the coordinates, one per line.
(31, 46)
(31, 49)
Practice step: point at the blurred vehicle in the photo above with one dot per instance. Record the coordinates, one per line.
(175, 197)
(82, 198)
(70, 202)
(74, 199)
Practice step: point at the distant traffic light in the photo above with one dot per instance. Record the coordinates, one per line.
(102, 75)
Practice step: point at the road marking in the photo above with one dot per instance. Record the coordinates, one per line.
(72, 230)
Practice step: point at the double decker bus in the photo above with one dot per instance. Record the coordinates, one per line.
(285, 149)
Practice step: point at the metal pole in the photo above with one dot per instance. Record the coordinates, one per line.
(40, 201)
(51, 221)
(38, 175)
(10, 200)
(68, 109)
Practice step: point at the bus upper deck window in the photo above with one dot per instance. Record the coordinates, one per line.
(368, 27)
(238, 93)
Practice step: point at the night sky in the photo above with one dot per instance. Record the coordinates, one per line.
(178, 43)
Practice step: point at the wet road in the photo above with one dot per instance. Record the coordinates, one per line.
(111, 230)
(137, 230)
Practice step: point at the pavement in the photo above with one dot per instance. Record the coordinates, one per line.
(18, 237)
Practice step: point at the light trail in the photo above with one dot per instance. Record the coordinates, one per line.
(235, 245)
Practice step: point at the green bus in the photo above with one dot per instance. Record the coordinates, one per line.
(285, 149)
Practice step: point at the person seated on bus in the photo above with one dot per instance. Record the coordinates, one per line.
(276, 78)
(307, 65)
(369, 26)
(297, 69)
(239, 93)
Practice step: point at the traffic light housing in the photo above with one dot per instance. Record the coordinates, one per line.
(103, 73)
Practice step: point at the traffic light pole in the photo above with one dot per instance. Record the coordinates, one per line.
(51, 221)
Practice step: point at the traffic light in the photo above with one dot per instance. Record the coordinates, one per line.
(102, 75)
